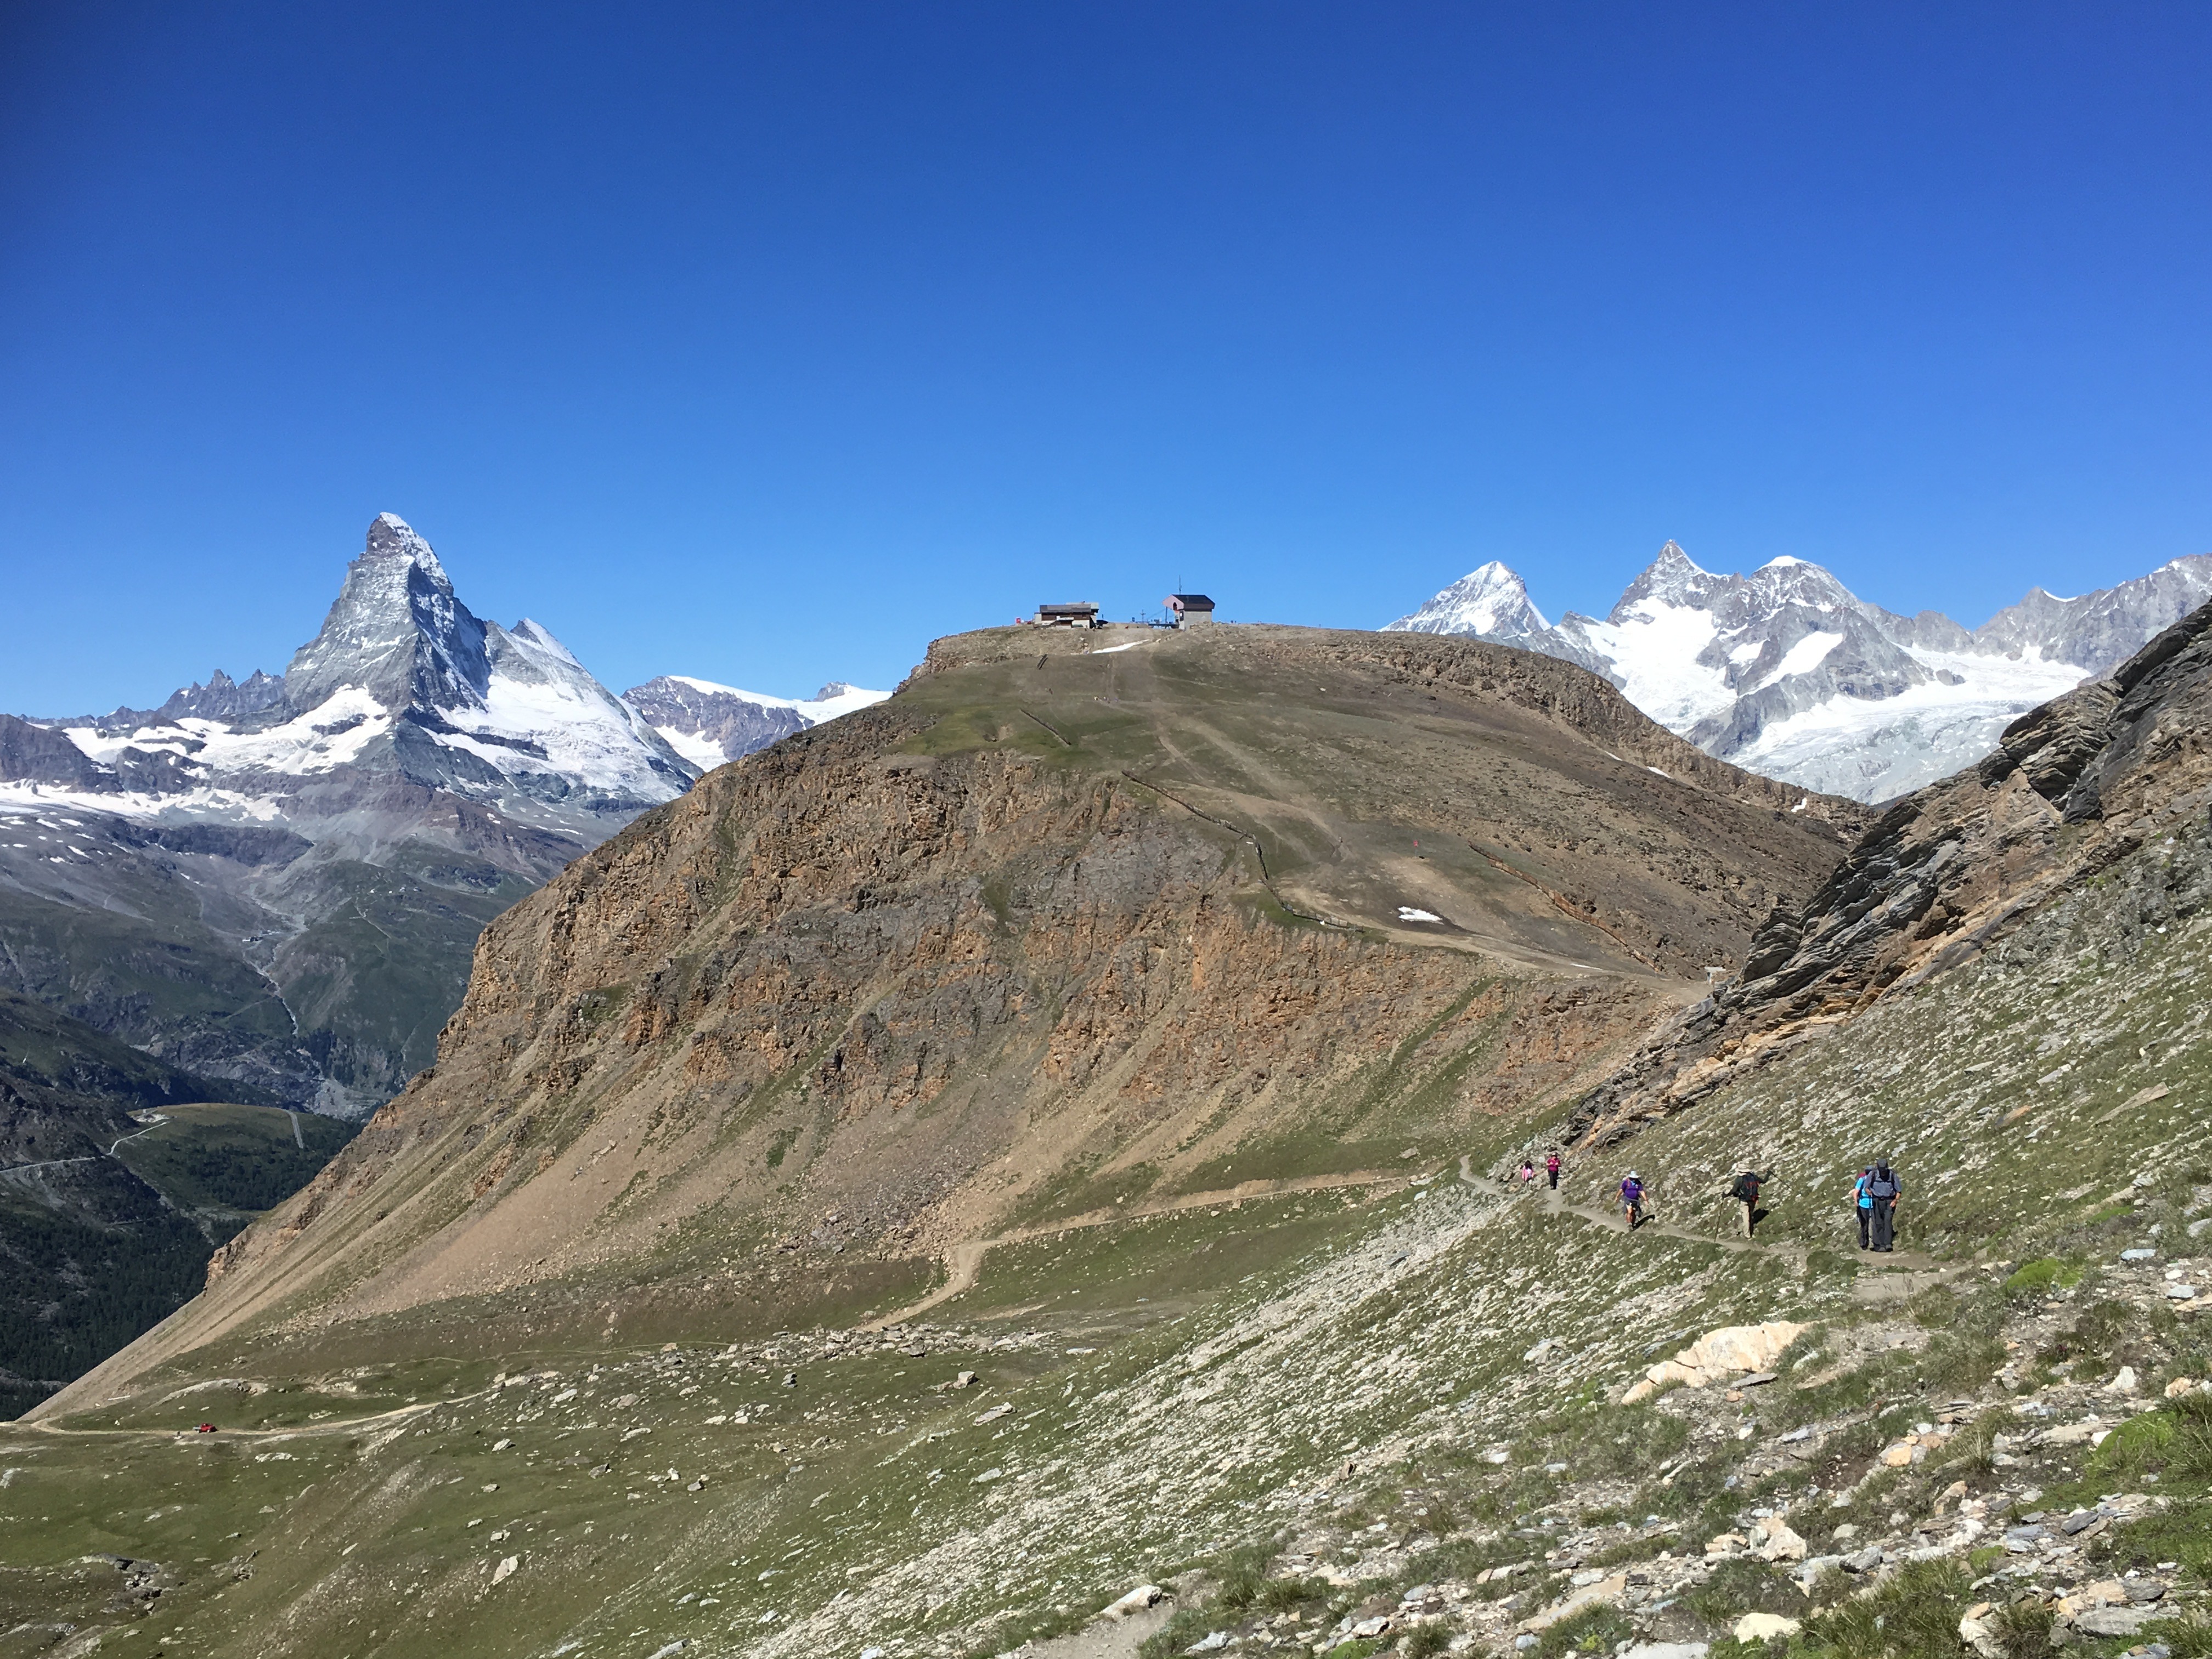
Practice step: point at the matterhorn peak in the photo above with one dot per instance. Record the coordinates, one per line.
(391, 537)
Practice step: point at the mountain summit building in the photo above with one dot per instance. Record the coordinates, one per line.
(1189, 609)
(1082, 613)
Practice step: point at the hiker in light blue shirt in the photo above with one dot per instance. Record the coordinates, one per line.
(1865, 1203)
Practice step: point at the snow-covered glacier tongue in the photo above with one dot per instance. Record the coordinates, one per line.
(1787, 672)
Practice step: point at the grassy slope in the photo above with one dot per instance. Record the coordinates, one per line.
(161, 978)
(1374, 778)
(375, 974)
(1287, 1368)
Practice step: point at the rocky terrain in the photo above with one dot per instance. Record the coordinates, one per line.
(1028, 1169)
(1787, 674)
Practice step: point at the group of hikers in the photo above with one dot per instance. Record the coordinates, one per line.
(1874, 1194)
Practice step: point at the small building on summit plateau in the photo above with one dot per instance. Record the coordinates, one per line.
(1190, 608)
(1080, 614)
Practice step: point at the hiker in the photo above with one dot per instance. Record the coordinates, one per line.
(1528, 1175)
(1551, 1168)
(1631, 1200)
(1745, 1191)
(1884, 1187)
(1864, 1201)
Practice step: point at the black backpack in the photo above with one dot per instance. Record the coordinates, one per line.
(1882, 1184)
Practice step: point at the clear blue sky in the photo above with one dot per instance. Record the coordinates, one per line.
(765, 342)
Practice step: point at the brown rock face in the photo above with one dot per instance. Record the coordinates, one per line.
(1052, 929)
(2073, 787)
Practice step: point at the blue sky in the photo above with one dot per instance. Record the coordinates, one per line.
(764, 343)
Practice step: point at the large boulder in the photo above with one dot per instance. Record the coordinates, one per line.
(1729, 1352)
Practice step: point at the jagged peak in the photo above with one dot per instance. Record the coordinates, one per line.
(391, 537)
(1491, 598)
(1672, 558)
(536, 633)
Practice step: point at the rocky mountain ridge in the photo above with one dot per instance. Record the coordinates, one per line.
(1787, 674)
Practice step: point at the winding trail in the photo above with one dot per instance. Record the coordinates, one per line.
(296, 1432)
(85, 1158)
(1901, 1262)
(965, 1261)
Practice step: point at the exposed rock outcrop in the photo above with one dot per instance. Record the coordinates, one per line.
(2073, 785)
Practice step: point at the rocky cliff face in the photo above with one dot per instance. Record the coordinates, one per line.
(2073, 788)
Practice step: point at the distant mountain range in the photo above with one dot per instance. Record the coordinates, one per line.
(1787, 674)
(278, 881)
(709, 723)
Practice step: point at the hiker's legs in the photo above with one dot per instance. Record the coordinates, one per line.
(1555, 1180)
(1866, 1221)
(1747, 1217)
(1881, 1238)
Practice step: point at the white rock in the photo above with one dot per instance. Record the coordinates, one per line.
(1760, 1626)
(505, 1570)
(1608, 1591)
(2124, 1382)
(1668, 1650)
(1719, 1353)
(1144, 1596)
(1778, 1542)
(1977, 1632)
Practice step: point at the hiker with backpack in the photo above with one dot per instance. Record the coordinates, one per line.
(1884, 1188)
(1631, 1200)
(1863, 1202)
(1745, 1191)
(1551, 1168)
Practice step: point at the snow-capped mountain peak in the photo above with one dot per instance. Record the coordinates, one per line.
(1490, 600)
(1672, 580)
(397, 630)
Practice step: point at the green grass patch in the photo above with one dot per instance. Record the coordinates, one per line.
(1912, 1615)
(2036, 1279)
